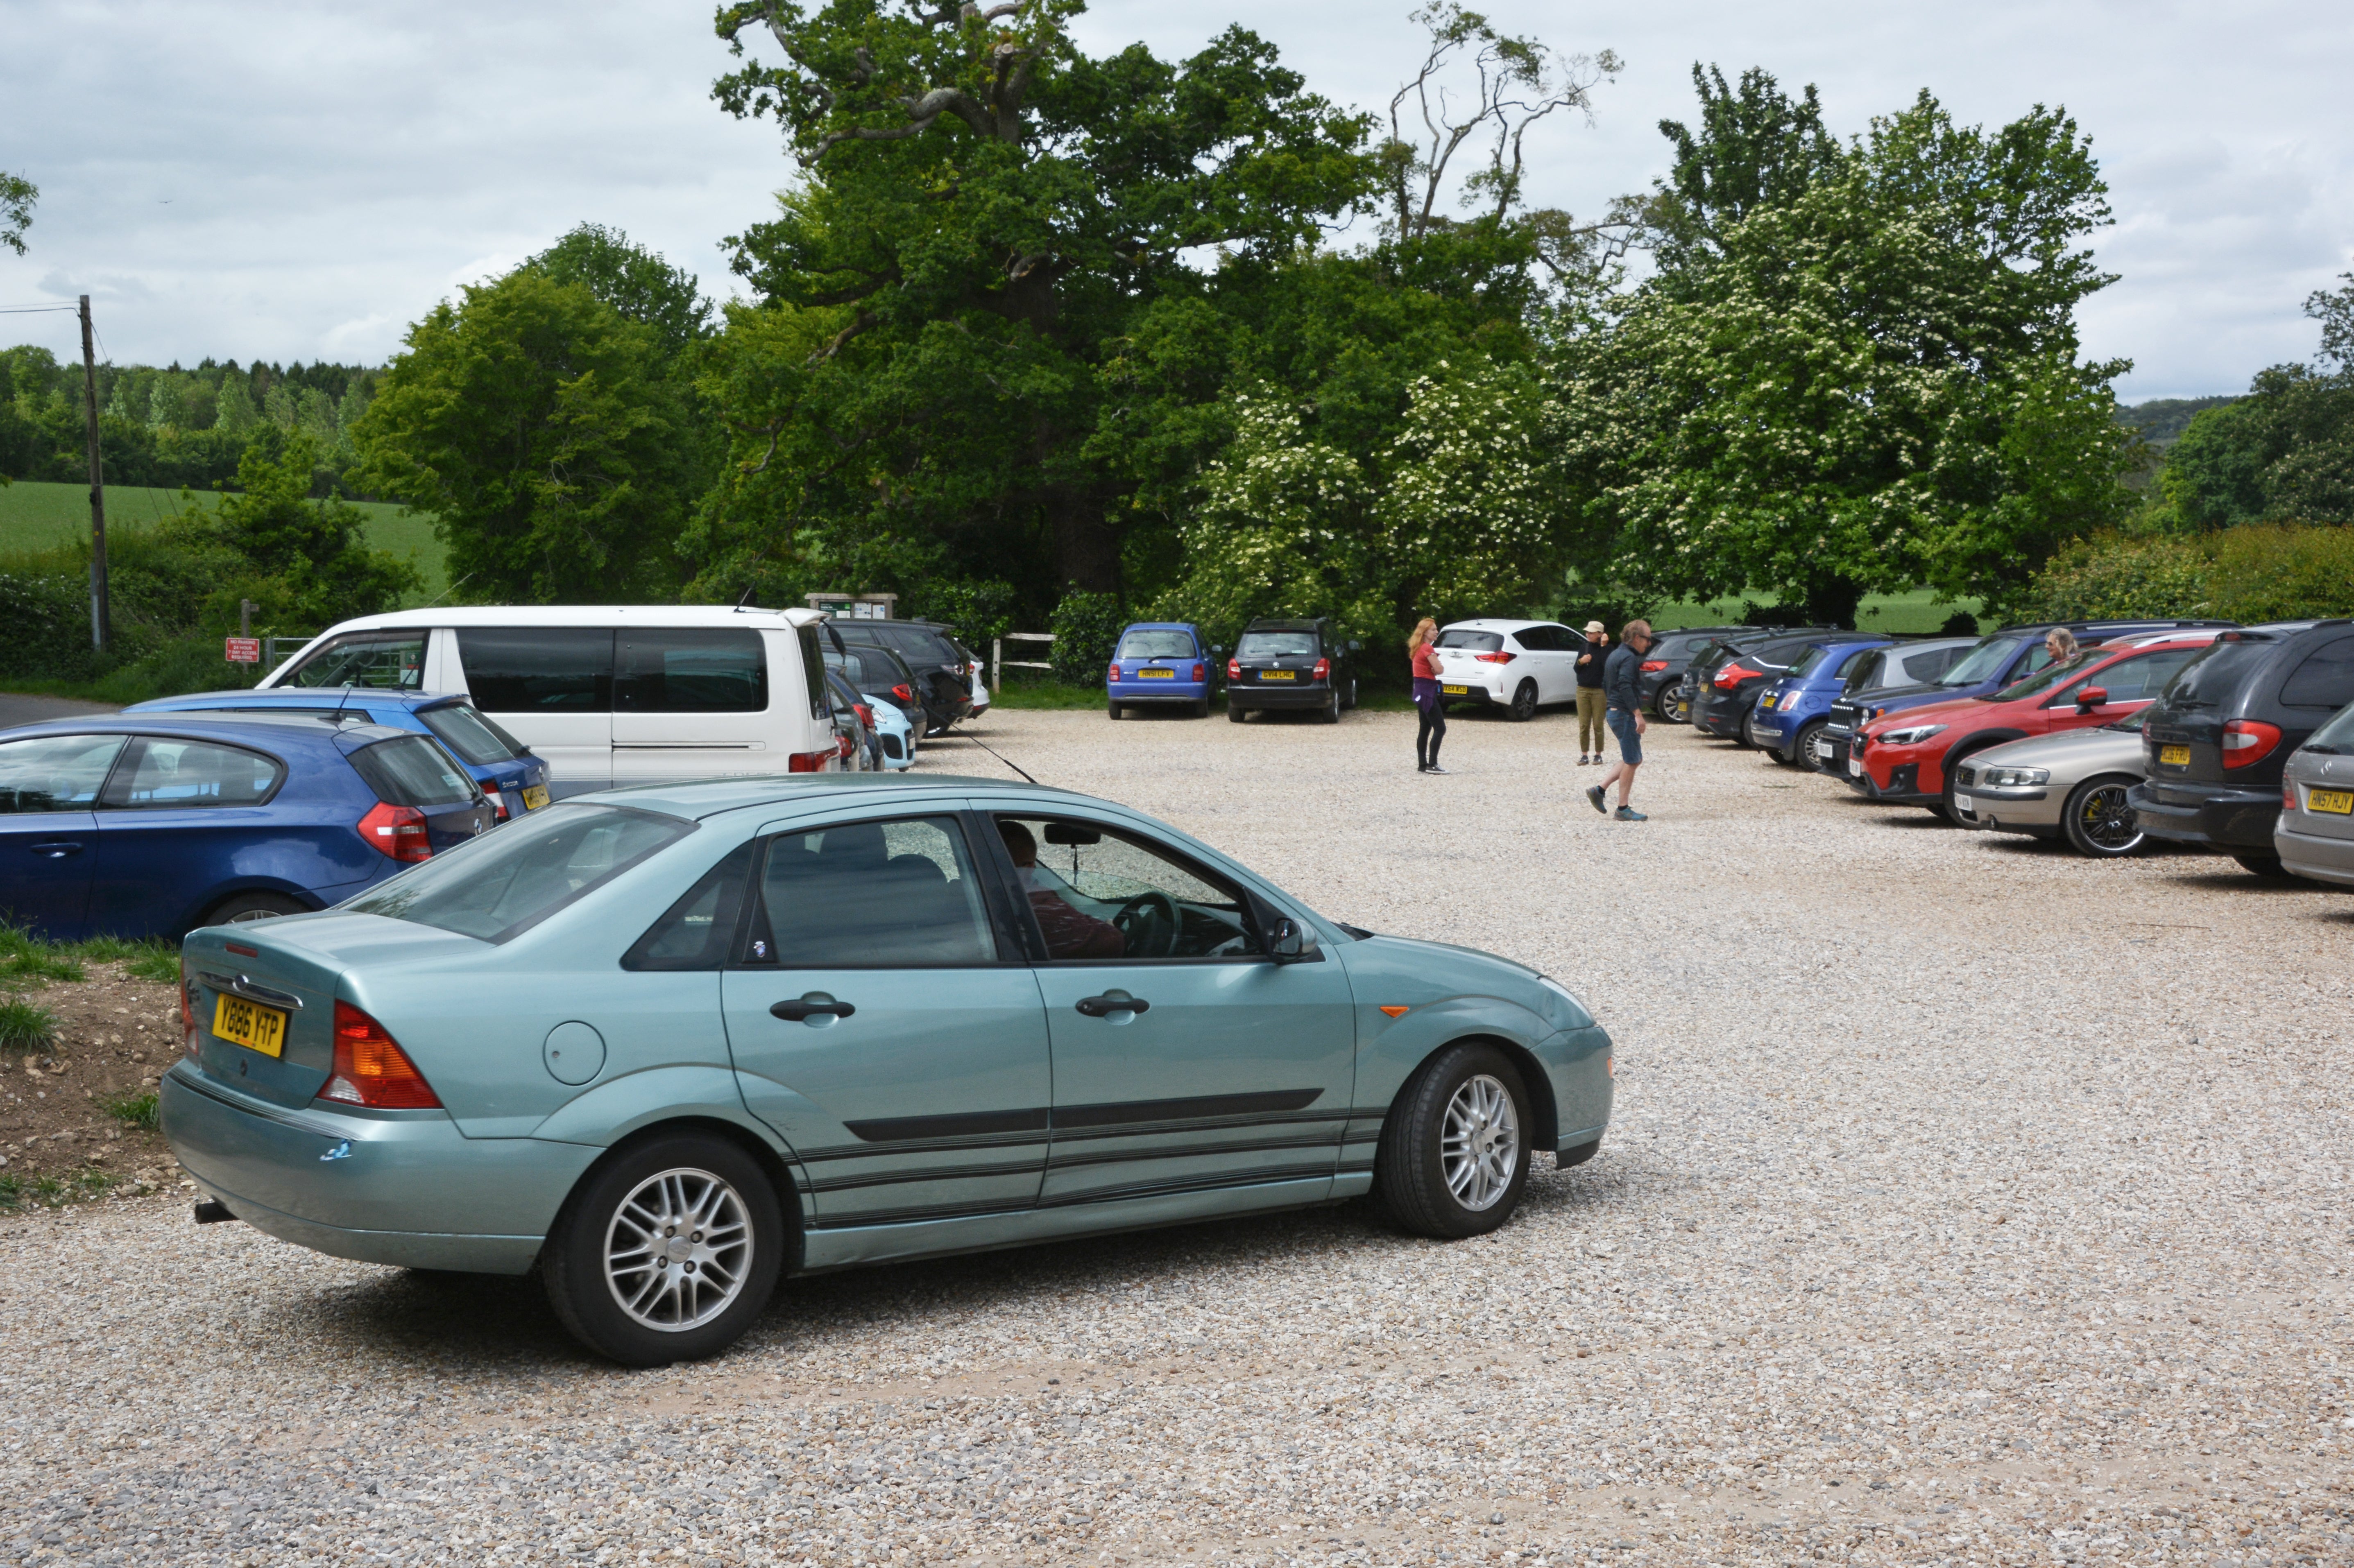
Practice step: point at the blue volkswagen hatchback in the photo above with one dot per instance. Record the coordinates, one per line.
(1158, 661)
(672, 1044)
(150, 824)
(515, 780)
(1794, 708)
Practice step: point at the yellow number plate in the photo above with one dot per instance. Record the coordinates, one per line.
(1279, 674)
(2174, 756)
(534, 796)
(1157, 675)
(2339, 802)
(261, 1029)
(1455, 691)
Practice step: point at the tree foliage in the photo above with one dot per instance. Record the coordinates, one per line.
(18, 196)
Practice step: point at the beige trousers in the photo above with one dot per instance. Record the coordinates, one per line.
(1589, 720)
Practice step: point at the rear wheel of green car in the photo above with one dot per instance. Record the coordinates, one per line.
(667, 1253)
(1454, 1154)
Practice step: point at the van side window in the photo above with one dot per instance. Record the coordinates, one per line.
(2326, 679)
(380, 660)
(538, 669)
(677, 670)
(813, 671)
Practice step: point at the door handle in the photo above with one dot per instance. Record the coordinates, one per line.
(56, 850)
(1104, 1006)
(796, 1011)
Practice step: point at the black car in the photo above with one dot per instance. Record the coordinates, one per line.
(944, 675)
(853, 722)
(1731, 673)
(1664, 663)
(880, 674)
(2216, 739)
(1298, 664)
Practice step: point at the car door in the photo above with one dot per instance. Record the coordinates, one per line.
(691, 703)
(2131, 684)
(879, 1026)
(552, 688)
(177, 816)
(48, 829)
(1229, 1069)
(1556, 663)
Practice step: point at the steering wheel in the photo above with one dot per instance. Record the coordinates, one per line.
(1151, 923)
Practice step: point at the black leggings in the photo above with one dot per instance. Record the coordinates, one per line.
(1433, 731)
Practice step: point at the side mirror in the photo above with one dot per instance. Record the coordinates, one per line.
(1216, 648)
(2092, 697)
(1288, 943)
(1355, 646)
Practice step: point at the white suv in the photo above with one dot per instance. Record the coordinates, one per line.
(1517, 665)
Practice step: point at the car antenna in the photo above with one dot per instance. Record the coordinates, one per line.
(747, 596)
(1001, 757)
(446, 592)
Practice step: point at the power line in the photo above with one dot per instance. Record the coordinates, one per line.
(33, 310)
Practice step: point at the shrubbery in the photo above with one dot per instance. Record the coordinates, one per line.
(2259, 572)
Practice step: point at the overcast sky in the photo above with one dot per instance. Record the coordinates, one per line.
(250, 180)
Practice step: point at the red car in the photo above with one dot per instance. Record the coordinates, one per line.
(1909, 756)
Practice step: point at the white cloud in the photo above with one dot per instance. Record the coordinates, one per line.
(292, 183)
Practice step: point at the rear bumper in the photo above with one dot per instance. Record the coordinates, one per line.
(2225, 818)
(2306, 855)
(1156, 691)
(1309, 694)
(406, 1188)
(1720, 716)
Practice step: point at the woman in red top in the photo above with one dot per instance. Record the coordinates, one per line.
(1425, 697)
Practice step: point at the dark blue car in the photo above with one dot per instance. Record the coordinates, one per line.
(152, 824)
(1796, 706)
(515, 780)
(1158, 661)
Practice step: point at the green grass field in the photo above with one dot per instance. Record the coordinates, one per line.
(36, 515)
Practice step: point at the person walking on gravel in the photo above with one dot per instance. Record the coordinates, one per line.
(1433, 727)
(1591, 657)
(1622, 691)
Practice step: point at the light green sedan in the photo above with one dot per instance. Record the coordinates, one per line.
(669, 1045)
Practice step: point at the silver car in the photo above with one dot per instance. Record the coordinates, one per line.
(2314, 836)
(2071, 785)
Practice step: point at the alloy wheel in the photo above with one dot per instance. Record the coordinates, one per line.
(678, 1250)
(2106, 820)
(1480, 1142)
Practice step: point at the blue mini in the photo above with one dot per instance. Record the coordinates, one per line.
(1158, 661)
(1793, 709)
(515, 780)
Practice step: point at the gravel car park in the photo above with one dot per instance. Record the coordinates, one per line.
(1977, 1236)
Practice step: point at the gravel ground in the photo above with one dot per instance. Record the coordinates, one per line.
(1967, 1202)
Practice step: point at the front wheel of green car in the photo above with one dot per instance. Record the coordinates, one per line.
(667, 1254)
(1455, 1151)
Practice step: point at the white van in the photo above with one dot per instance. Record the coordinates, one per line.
(607, 694)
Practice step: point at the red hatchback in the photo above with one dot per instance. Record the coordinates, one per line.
(1909, 756)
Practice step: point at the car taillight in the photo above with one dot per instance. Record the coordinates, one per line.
(188, 1046)
(2249, 740)
(904, 692)
(372, 1070)
(396, 830)
(1201, 671)
(809, 761)
(1323, 671)
(1653, 666)
(2288, 796)
(1115, 672)
(1733, 675)
(1234, 669)
(845, 747)
(498, 807)
(1494, 658)
(865, 715)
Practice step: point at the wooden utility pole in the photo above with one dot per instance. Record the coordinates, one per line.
(101, 629)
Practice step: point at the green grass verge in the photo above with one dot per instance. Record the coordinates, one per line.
(136, 1111)
(29, 961)
(53, 1192)
(38, 514)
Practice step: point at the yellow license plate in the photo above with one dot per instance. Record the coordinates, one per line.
(2338, 802)
(2174, 756)
(1156, 675)
(261, 1029)
(1279, 674)
(1455, 691)
(534, 796)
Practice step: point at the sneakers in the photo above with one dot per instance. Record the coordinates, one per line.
(1434, 767)
(1593, 797)
(1583, 760)
(1629, 814)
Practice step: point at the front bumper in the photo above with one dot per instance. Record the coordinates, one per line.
(2306, 855)
(2208, 814)
(402, 1187)
(2020, 810)
(1903, 788)
(1830, 748)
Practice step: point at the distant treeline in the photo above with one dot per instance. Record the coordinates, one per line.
(176, 427)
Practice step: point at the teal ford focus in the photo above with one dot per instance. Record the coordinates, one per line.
(671, 1045)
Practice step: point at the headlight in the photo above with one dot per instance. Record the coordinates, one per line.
(2014, 777)
(1913, 736)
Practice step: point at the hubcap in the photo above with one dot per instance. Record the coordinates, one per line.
(1479, 1146)
(678, 1250)
(2109, 819)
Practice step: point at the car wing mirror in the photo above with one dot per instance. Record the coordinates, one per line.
(2092, 696)
(1355, 646)
(1287, 942)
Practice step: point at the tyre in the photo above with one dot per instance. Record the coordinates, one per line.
(238, 908)
(667, 1253)
(1802, 749)
(1524, 705)
(2097, 820)
(1111, 710)
(1953, 766)
(1201, 707)
(1454, 1154)
(1745, 734)
(1330, 712)
(2261, 864)
(1235, 714)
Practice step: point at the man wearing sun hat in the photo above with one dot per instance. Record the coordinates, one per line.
(1592, 654)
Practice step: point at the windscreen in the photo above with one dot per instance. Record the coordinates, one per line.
(385, 660)
(463, 731)
(1983, 663)
(2219, 672)
(497, 887)
(1302, 644)
(410, 770)
(1470, 641)
(2052, 676)
(1155, 645)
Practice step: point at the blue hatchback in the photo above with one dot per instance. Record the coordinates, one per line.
(1158, 661)
(515, 780)
(153, 825)
(1794, 708)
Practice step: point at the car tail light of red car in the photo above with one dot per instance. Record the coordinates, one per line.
(2247, 741)
(1201, 671)
(372, 1070)
(1502, 658)
(398, 832)
(1653, 666)
(1731, 676)
(1323, 671)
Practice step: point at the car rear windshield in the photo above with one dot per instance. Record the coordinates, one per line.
(917, 645)
(2219, 672)
(1812, 660)
(410, 770)
(2338, 735)
(1155, 645)
(475, 738)
(1291, 645)
(1474, 641)
(1983, 663)
(498, 886)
